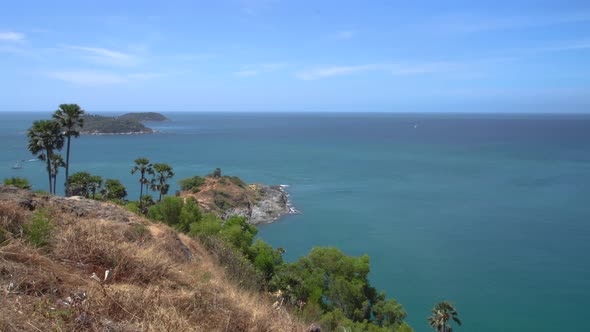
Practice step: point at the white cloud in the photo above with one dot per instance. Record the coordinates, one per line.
(346, 34)
(259, 69)
(105, 56)
(11, 36)
(393, 68)
(93, 78)
(87, 77)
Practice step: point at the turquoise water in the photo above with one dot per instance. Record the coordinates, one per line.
(490, 212)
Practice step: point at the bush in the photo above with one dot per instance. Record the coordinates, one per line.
(192, 184)
(114, 189)
(176, 212)
(18, 182)
(38, 230)
(133, 207)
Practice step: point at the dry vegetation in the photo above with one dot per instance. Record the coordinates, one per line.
(158, 280)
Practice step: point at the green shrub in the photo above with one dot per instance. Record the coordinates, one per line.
(38, 230)
(18, 182)
(133, 207)
(192, 184)
(114, 189)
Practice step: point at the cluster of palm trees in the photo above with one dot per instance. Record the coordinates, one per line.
(160, 174)
(443, 314)
(46, 137)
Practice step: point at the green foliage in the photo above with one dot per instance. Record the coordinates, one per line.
(265, 258)
(133, 207)
(143, 116)
(338, 284)
(45, 137)
(38, 230)
(210, 225)
(216, 173)
(192, 184)
(443, 314)
(167, 211)
(79, 183)
(114, 189)
(112, 125)
(163, 172)
(237, 232)
(176, 212)
(18, 182)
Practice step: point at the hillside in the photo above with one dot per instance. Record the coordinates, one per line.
(144, 117)
(98, 124)
(75, 264)
(229, 195)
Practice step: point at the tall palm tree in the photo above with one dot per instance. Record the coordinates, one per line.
(45, 136)
(57, 161)
(442, 314)
(143, 166)
(163, 173)
(69, 117)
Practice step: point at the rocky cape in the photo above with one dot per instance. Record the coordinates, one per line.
(229, 196)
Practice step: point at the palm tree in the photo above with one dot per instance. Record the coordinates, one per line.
(143, 166)
(45, 136)
(69, 118)
(163, 173)
(95, 184)
(442, 314)
(57, 161)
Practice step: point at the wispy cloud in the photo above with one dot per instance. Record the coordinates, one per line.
(325, 72)
(11, 36)
(259, 69)
(346, 34)
(105, 56)
(94, 78)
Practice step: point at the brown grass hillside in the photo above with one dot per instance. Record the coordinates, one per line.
(223, 193)
(159, 280)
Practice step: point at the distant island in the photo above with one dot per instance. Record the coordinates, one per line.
(129, 123)
(144, 117)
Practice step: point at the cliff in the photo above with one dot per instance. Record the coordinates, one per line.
(227, 196)
(73, 264)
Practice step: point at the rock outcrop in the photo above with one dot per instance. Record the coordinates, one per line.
(229, 196)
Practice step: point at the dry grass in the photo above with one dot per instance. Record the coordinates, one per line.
(159, 281)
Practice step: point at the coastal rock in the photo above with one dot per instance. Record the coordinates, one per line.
(272, 204)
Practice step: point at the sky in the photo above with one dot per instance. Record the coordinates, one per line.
(287, 56)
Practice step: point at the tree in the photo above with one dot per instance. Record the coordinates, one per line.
(57, 162)
(95, 184)
(69, 117)
(80, 184)
(45, 137)
(163, 172)
(217, 173)
(143, 166)
(113, 189)
(442, 314)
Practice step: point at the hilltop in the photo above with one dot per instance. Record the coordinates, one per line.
(229, 195)
(144, 117)
(79, 264)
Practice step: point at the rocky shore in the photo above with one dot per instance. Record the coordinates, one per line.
(272, 204)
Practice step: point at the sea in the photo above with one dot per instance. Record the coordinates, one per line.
(488, 211)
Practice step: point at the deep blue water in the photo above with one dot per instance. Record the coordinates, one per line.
(491, 212)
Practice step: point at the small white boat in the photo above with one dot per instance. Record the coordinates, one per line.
(18, 165)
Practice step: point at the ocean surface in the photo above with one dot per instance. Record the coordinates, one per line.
(490, 212)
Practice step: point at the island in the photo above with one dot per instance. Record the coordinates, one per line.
(129, 123)
(144, 117)
(228, 196)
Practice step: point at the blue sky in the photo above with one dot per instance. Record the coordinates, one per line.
(278, 55)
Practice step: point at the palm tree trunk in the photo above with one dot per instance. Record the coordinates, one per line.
(140, 190)
(48, 159)
(67, 186)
